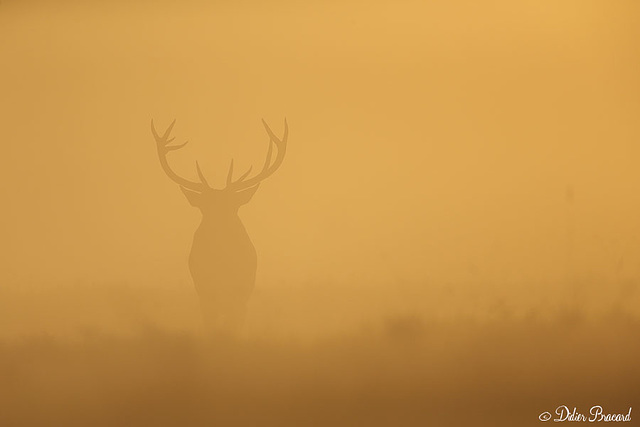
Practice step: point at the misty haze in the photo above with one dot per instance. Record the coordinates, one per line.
(452, 238)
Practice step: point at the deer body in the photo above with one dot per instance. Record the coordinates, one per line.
(223, 260)
(223, 264)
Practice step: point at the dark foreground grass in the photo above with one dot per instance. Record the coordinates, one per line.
(402, 371)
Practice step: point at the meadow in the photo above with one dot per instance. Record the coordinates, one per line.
(402, 369)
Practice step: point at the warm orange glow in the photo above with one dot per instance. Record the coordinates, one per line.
(461, 188)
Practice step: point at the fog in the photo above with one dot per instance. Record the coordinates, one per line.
(458, 205)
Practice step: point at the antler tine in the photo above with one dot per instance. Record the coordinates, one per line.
(281, 144)
(201, 176)
(285, 134)
(273, 137)
(245, 174)
(267, 161)
(230, 174)
(163, 148)
(168, 131)
(164, 138)
(239, 180)
(268, 168)
(154, 132)
(175, 147)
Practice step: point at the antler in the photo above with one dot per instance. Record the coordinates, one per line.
(163, 148)
(268, 168)
(238, 185)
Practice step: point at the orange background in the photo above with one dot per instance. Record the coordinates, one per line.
(447, 160)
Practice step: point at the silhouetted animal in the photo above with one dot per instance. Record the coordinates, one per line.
(223, 260)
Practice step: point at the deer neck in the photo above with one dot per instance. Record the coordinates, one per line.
(219, 220)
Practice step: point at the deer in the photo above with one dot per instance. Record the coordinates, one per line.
(222, 260)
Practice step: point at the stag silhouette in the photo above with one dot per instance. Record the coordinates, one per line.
(223, 259)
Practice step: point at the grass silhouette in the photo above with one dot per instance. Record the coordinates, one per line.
(401, 370)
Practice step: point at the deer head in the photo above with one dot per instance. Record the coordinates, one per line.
(235, 193)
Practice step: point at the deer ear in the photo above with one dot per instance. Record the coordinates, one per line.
(192, 196)
(243, 197)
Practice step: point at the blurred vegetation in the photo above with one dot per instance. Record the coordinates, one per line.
(403, 369)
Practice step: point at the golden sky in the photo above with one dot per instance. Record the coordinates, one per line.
(430, 142)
